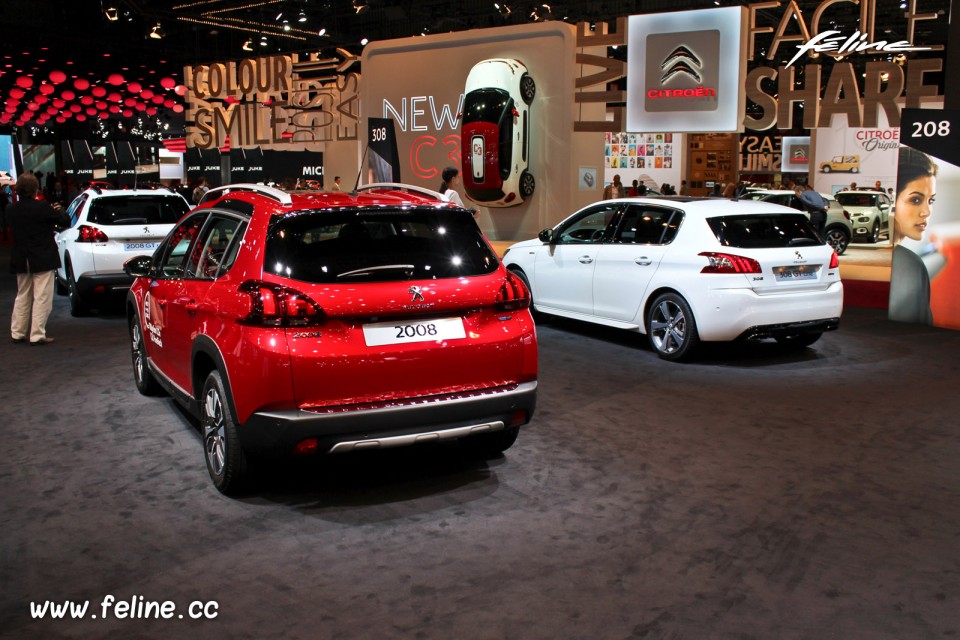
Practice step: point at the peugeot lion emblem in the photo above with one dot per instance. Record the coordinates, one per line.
(416, 292)
(797, 253)
(146, 231)
(681, 60)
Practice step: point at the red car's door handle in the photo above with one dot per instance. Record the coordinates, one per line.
(191, 306)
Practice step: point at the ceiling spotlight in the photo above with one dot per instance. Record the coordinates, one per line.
(359, 5)
(279, 15)
(303, 16)
(286, 25)
(111, 13)
(364, 42)
(156, 33)
(248, 45)
(322, 32)
(263, 41)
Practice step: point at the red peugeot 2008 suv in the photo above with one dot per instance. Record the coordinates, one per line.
(293, 324)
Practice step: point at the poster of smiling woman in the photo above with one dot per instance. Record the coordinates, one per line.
(925, 271)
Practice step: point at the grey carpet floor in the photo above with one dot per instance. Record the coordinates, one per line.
(751, 494)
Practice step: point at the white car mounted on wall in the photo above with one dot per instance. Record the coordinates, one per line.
(495, 133)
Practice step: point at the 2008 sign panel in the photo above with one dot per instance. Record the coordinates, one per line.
(436, 329)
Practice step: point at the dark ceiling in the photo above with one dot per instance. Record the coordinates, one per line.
(76, 36)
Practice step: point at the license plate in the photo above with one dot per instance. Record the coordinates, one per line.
(380, 333)
(140, 246)
(796, 272)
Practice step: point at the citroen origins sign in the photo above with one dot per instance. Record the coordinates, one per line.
(686, 71)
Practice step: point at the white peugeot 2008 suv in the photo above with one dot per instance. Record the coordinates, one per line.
(107, 228)
(685, 270)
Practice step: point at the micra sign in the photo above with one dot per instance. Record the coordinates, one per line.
(832, 43)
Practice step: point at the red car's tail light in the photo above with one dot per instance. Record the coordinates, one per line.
(272, 305)
(834, 260)
(90, 234)
(513, 294)
(510, 197)
(729, 263)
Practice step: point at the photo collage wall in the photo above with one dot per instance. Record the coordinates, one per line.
(639, 150)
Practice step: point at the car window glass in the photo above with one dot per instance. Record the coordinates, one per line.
(643, 225)
(377, 245)
(173, 254)
(764, 231)
(140, 209)
(75, 208)
(590, 226)
(211, 247)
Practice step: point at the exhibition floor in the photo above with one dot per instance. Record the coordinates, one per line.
(750, 494)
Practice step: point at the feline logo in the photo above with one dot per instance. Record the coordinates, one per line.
(681, 60)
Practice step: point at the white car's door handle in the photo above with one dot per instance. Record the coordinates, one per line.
(643, 261)
(585, 259)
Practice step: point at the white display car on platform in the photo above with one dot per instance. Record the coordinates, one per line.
(686, 270)
(107, 228)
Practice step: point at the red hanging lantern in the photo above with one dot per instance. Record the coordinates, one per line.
(98, 92)
(146, 94)
(25, 82)
(152, 111)
(68, 95)
(128, 113)
(81, 117)
(115, 79)
(134, 87)
(46, 89)
(17, 93)
(178, 108)
(56, 77)
(168, 83)
(86, 100)
(180, 90)
(81, 84)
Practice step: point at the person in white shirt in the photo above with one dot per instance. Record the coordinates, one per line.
(451, 176)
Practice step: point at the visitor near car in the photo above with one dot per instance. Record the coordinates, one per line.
(34, 259)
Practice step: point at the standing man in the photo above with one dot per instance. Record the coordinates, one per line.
(614, 189)
(336, 184)
(816, 206)
(34, 259)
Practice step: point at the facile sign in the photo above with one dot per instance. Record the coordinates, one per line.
(773, 89)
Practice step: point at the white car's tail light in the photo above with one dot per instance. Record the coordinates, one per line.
(729, 263)
(834, 260)
(90, 234)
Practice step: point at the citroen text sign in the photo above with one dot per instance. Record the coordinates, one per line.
(686, 71)
(683, 71)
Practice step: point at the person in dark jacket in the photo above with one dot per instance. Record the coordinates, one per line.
(34, 259)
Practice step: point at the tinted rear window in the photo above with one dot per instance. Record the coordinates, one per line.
(486, 105)
(764, 231)
(383, 245)
(117, 210)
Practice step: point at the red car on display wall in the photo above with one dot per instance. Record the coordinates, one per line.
(495, 133)
(301, 323)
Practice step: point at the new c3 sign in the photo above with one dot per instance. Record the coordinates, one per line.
(686, 71)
